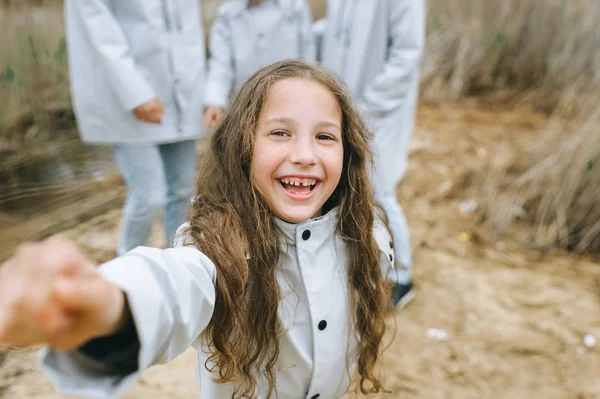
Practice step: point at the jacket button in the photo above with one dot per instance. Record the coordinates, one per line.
(315, 396)
(322, 325)
(306, 235)
(391, 244)
(391, 258)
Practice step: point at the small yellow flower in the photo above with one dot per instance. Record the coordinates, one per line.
(464, 236)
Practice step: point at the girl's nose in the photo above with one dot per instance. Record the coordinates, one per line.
(303, 153)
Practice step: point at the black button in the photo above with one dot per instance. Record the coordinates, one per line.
(306, 235)
(322, 325)
(391, 258)
(315, 396)
(391, 244)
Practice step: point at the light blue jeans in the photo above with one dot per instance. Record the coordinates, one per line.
(401, 236)
(160, 178)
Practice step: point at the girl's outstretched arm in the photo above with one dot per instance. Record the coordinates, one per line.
(165, 297)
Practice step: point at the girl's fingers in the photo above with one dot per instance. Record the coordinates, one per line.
(81, 294)
(55, 255)
(94, 300)
(30, 312)
(54, 324)
(5, 324)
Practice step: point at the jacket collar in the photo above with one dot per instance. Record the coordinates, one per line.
(288, 7)
(321, 227)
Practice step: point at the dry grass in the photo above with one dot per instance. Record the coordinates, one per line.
(33, 74)
(542, 47)
(548, 52)
(553, 195)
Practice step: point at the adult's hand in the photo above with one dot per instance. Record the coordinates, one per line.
(150, 112)
(212, 116)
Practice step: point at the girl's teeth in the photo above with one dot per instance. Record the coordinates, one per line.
(297, 183)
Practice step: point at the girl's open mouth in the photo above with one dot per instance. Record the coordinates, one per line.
(298, 187)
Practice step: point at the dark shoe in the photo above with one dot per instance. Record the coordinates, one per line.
(402, 294)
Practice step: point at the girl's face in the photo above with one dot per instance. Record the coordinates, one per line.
(298, 154)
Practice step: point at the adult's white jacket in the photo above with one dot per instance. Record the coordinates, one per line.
(127, 52)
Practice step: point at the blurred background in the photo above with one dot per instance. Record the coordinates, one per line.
(501, 196)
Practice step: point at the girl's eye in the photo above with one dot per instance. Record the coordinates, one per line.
(325, 137)
(279, 133)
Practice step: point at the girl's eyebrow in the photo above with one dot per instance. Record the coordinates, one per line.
(281, 119)
(289, 121)
(330, 124)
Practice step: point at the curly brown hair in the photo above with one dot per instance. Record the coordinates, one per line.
(232, 224)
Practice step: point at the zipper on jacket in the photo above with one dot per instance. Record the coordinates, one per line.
(345, 32)
(166, 15)
(178, 15)
(299, 26)
(169, 18)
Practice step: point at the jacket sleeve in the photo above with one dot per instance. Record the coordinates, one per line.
(220, 64)
(171, 295)
(388, 90)
(109, 42)
(308, 50)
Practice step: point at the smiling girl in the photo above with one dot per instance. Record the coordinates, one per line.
(276, 277)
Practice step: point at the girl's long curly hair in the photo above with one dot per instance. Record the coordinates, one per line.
(233, 225)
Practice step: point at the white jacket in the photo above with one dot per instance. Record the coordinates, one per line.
(172, 294)
(244, 39)
(375, 46)
(124, 53)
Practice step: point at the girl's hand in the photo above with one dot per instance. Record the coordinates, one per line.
(51, 294)
(212, 115)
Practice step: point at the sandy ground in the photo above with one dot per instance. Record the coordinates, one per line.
(491, 320)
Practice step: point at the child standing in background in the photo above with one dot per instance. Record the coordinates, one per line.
(277, 278)
(375, 46)
(248, 35)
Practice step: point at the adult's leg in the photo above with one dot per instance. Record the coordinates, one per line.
(391, 156)
(179, 161)
(142, 169)
(399, 228)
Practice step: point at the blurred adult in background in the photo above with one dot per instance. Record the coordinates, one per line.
(248, 35)
(137, 76)
(375, 46)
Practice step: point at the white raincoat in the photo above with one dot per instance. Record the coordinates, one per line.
(375, 46)
(246, 38)
(125, 53)
(172, 295)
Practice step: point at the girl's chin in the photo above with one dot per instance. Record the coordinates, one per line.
(297, 217)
